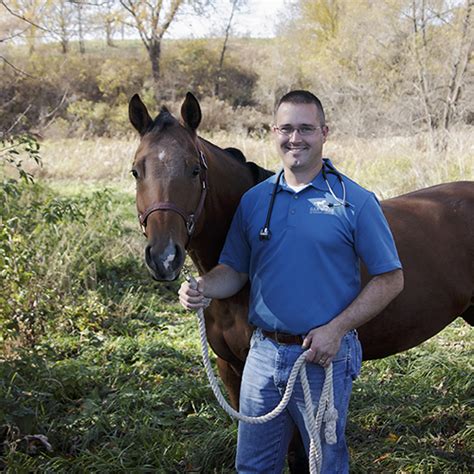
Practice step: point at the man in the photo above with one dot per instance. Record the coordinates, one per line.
(305, 284)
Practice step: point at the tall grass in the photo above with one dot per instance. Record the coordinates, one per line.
(105, 363)
(388, 166)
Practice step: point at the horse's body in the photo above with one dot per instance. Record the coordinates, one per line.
(433, 230)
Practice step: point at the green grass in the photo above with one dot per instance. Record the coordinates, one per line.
(105, 363)
(129, 394)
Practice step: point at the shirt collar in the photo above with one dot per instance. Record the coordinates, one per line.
(317, 182)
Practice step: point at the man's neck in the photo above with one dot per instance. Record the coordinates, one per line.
(298, 178)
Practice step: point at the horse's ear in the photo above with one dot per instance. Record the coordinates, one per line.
(191, 112)
(138, 114)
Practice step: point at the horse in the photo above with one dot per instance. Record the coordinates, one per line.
(188, 190)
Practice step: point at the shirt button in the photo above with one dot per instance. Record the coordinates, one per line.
(292, 211)
(296, 196)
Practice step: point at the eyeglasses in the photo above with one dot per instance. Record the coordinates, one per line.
(304, 130)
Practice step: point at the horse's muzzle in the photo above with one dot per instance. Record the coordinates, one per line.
(165, 265)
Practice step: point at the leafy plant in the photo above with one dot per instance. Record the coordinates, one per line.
(13, 150)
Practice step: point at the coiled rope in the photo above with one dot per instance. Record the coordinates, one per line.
(326, 410)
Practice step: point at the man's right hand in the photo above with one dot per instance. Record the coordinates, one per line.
(191, 296)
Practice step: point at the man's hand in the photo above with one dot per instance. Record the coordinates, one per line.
(221, 282)
(191, 296)
(323, 343)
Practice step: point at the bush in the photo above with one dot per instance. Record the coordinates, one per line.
(46, 247)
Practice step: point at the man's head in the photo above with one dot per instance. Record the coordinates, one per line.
(303, 97)
(300, 131)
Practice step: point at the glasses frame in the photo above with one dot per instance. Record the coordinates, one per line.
(297, 129)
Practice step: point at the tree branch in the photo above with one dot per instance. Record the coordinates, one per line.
(21, 17)
(15, 68)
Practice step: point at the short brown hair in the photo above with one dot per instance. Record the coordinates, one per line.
(303, 97)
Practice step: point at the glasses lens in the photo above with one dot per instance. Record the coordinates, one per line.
(306, 130)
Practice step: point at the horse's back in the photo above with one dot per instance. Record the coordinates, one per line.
(434, 233)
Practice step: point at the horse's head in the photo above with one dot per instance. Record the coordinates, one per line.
(170, 172)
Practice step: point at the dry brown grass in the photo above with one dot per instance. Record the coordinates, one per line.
(388, 166)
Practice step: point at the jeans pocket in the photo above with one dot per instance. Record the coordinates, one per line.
(256, 336)
(356, 356)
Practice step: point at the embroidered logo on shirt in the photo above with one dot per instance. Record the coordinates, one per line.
(321, 206)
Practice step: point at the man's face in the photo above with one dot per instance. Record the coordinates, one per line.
(300, 153)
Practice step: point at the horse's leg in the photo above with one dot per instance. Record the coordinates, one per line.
(231, 378)
(297, 457)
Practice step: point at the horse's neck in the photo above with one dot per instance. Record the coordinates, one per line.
(228, 180)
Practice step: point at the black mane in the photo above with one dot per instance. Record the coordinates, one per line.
(258, 173)
(162, 120)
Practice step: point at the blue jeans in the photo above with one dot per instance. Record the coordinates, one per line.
(262, 448)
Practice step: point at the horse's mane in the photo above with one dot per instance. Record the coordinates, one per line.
(258, 173)
(163, 120)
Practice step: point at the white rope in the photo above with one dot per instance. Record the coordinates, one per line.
(326, 410)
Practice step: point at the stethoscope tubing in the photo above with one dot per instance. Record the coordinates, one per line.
(265, 232)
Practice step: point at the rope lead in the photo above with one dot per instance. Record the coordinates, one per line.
(326, 410)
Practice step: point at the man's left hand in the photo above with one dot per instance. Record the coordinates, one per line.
(323, 343)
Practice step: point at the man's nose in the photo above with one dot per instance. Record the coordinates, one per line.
(295, 134)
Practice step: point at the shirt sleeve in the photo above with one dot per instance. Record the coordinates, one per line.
(236, 251)
(374, 242)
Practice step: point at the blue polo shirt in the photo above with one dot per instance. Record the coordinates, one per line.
(309, 271)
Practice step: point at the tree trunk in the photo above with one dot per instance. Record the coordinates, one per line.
(154, 53)
(459, 69)
(224, 47)
(108, 33)
(82, 48)
(64, 45)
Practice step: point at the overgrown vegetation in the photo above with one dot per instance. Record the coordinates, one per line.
(99, 366)
(105, 365)
(390, 68)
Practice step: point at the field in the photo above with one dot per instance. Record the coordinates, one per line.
(102, 361)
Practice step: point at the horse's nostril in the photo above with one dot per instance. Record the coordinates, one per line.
(148, 254)
(178, 254)
(164, 265)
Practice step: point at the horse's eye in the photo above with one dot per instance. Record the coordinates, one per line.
(134, 173)
(196, 170)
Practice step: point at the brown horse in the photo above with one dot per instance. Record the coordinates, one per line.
(188, 190)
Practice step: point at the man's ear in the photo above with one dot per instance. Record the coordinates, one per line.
(138, 115)
(325, 132)
(191, 112)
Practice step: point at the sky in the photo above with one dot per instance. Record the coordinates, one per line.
(258, 18)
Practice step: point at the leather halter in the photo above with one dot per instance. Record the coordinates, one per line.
(189, 219)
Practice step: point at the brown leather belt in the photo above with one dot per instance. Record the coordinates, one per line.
(283, 338)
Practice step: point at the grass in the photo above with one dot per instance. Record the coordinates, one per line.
(389, 166)
(106, 364)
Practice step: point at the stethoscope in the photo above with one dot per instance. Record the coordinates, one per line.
(327, 168)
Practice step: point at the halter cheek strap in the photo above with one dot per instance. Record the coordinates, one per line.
(189, 219)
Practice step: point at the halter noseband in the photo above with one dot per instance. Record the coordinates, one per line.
(189, 219)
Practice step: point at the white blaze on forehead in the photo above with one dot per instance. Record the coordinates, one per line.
(161, 155)
(168, 255)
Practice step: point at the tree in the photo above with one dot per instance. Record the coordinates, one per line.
(387, 65)
(152, 20)
(235, 5)
(111, 17)
(459, 67)
(58, 19)
(79, 5)
(442, 43)
(28, 14)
